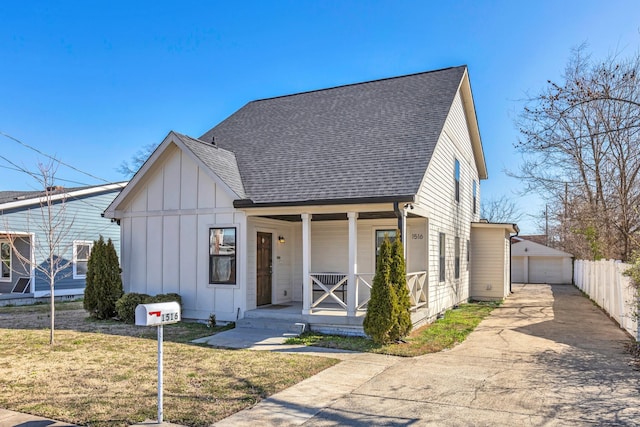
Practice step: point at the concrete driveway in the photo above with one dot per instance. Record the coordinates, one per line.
(547, 357)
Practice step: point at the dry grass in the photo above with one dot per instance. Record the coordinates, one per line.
(105, 373)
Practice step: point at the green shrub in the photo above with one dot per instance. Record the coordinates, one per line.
(126, 305)
(383, 305)
(398, 278)
(103, 282)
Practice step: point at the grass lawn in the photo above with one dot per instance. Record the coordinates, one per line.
(105, 373)
(442, 334)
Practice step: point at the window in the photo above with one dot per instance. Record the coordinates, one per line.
(5, 260)
(222, 256)
(475, 196)
(442, 256)
(468, 253)
(81, 252)
(380, 238)
(457, 265)
(457, 180)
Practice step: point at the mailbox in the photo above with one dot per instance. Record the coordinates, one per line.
(157, 314)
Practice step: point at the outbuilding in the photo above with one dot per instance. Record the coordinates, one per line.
(533, 262)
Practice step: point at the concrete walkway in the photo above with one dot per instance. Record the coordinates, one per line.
(547, 357)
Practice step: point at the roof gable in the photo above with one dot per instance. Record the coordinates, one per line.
(218, 163)
(359, 141)
(528, 248)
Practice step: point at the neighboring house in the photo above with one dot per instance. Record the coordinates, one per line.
(533, 262)
(23, 223)
(281, 207)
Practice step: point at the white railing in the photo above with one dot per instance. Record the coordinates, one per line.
(606, 284)
(332, 288)
(418, 289)
(329, 285)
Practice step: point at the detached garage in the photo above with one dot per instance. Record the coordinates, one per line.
(535, 263)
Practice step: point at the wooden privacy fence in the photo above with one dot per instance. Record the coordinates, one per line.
(605, 284)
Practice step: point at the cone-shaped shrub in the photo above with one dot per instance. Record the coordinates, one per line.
(104, 284)
(383, 305)
(398, 278)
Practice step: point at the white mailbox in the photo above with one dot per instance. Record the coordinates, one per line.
(161, 313)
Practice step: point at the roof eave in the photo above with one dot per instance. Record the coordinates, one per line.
(248, 203)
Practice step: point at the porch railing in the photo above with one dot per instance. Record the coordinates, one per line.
(332, 288)
(418, 289)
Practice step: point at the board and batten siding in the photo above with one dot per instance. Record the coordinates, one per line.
(84, 223)
(165, 237)
(437, 197)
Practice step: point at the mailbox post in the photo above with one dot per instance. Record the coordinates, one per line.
(158, 314)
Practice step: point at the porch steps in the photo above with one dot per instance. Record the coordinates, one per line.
(292, 323)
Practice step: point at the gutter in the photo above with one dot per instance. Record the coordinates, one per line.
(248, 203)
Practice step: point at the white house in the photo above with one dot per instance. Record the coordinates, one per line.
(282, 206)
(533, 262)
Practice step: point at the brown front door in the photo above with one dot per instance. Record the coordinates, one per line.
(264, 268)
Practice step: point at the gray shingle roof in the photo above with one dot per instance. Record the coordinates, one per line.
(366, 140)
(219, 160)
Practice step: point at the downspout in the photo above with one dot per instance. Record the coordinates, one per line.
(396, 210)
(402, 225)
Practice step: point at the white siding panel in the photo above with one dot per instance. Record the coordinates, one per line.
(330, 246)
(154, 255)
(172, 178)
(155, 188)
(206, 191)
(224, 303)
(188, 260)
(436, 196)
(188, 184)
(171, 255)
(138, 256)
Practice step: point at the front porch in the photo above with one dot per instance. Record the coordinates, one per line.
(328, 312)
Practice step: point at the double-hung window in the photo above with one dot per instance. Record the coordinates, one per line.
(222, 256)
(380, 235)
(81, 252)
(5, 261)
(457, 179)
(442, 251)
(475, 196)
(457, 264)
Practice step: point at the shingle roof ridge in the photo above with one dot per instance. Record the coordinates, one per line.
(358, 83)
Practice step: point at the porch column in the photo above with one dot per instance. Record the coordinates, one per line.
(405, 238)
(306, 264)
(352, 294)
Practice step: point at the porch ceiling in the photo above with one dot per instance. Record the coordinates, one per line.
(337, 216)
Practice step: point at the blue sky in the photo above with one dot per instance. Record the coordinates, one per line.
(91, 82)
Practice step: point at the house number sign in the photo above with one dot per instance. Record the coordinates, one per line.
(417, 236)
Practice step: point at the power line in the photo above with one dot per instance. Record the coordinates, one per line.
(49, 157)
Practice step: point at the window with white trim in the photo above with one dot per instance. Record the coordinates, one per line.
(5, 261)
(222, 256)
(380, 235)
(442, 252)
(81, 253)
(475, 196)
(457, 261)
(456, 176)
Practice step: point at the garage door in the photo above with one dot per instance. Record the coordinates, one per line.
(545, 270)
(517, 269)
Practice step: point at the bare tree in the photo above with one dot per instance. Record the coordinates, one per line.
(580, 141)
(500, 209)
(50, 226)
(129, 168)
